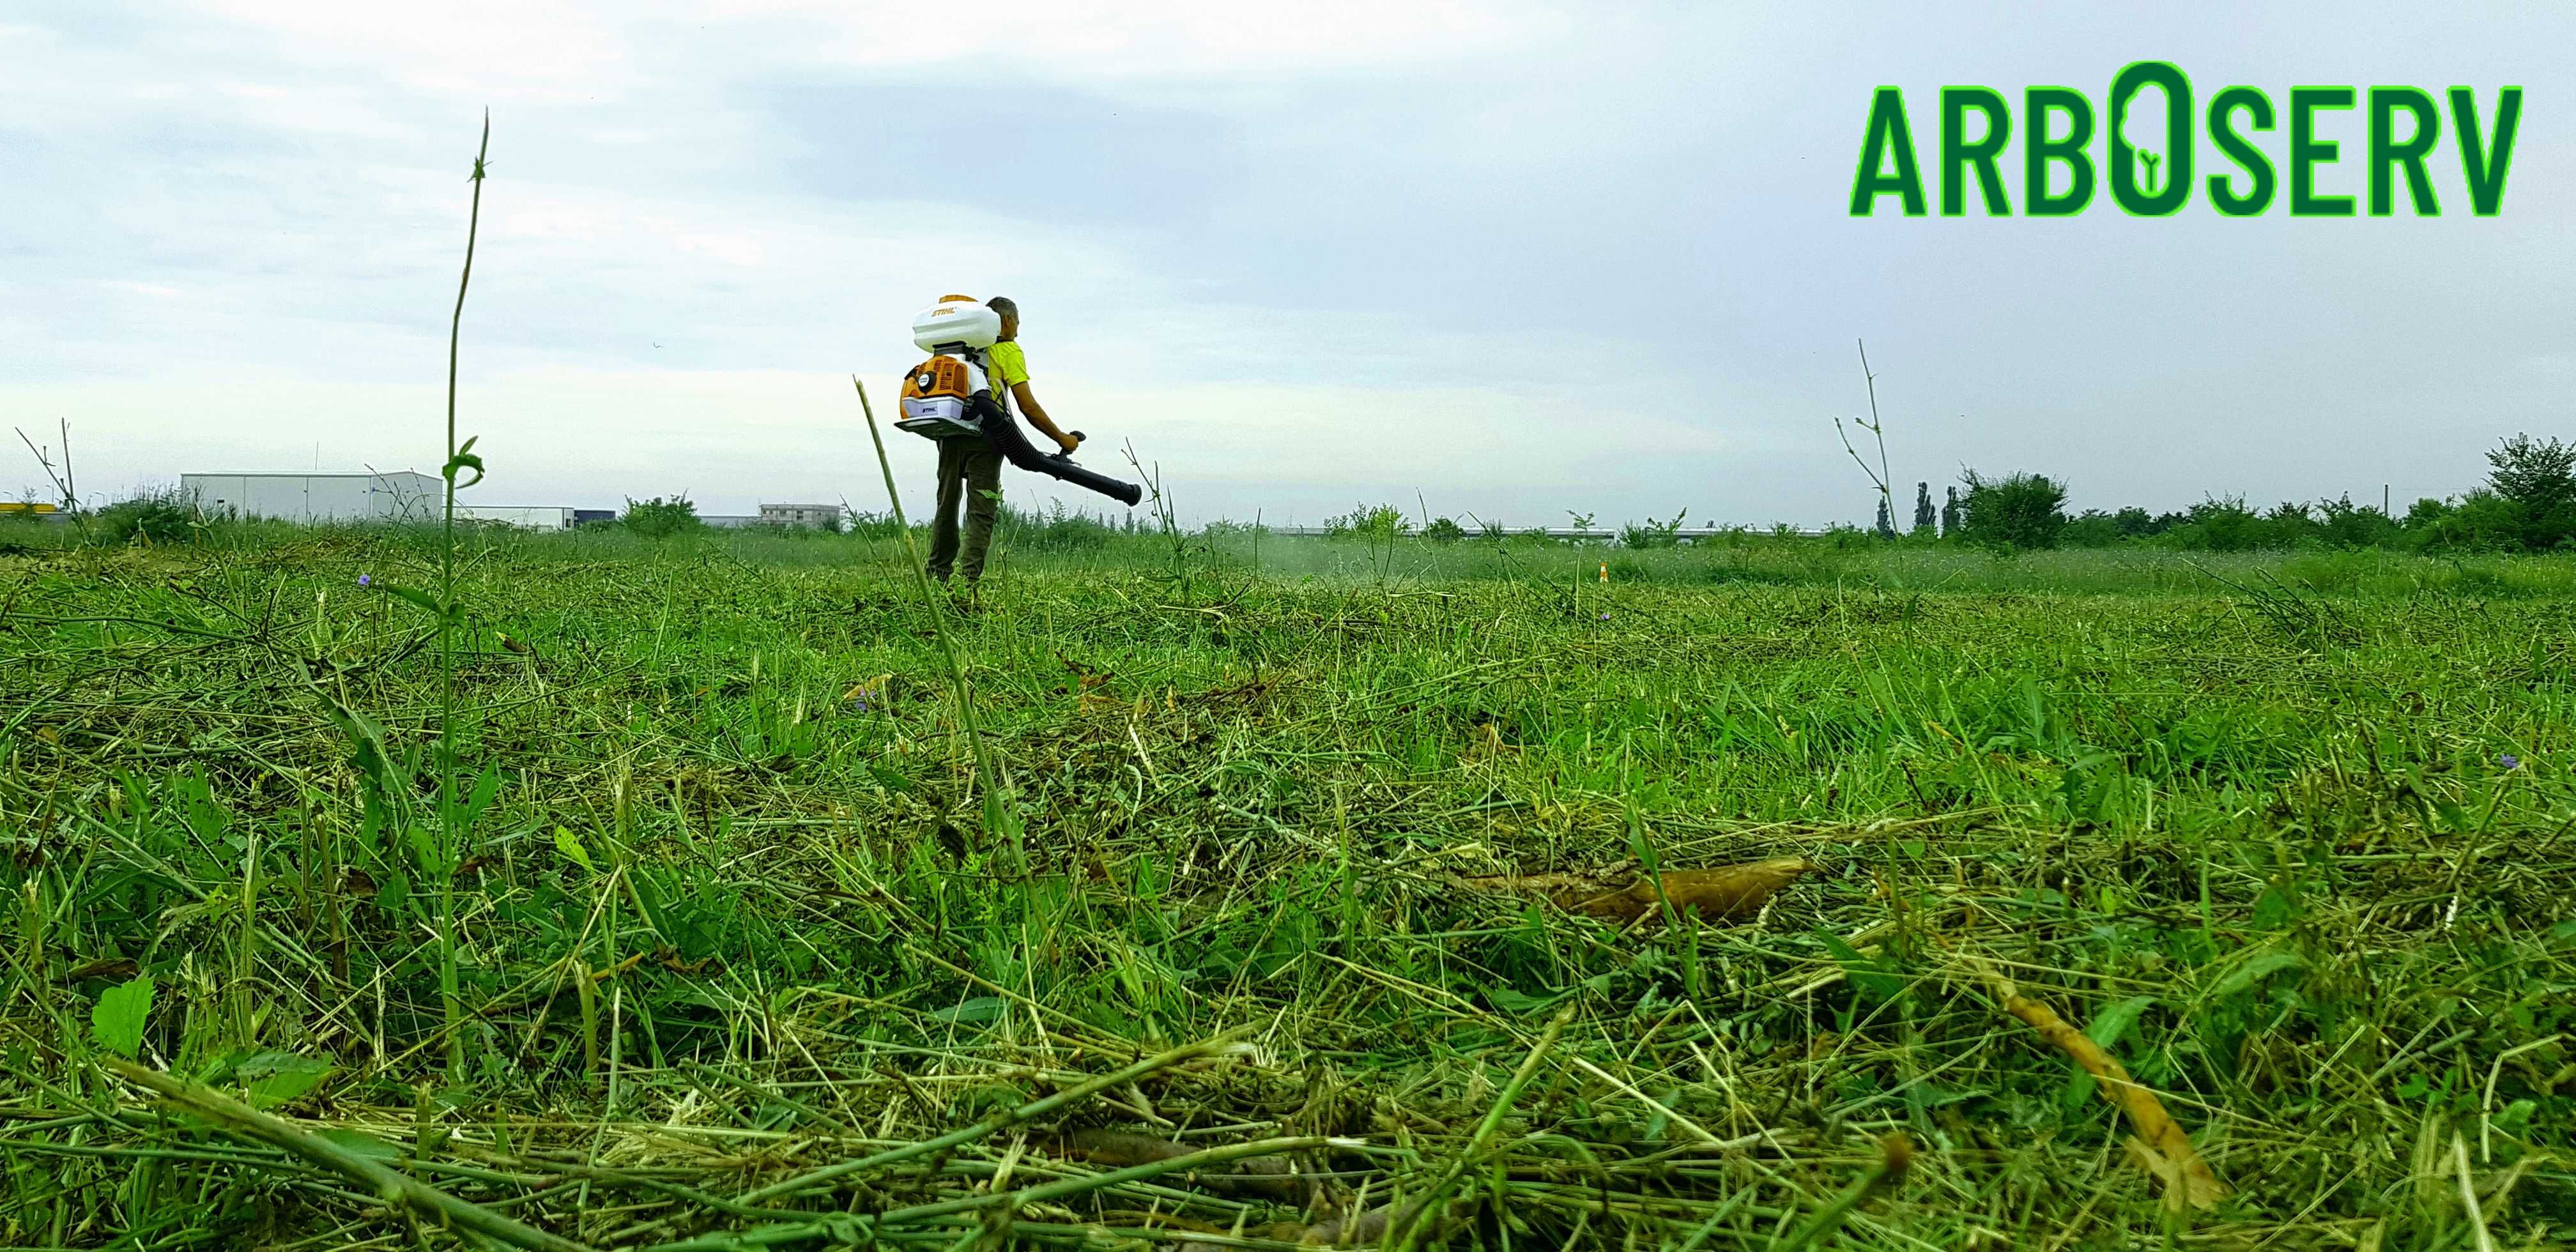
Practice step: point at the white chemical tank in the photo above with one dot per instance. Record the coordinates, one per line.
(955, 320)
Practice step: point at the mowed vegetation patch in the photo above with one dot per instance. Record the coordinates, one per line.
(1289, 922)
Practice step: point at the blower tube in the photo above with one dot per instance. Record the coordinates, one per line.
(1002, 435)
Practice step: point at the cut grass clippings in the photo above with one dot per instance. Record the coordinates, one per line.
(1426, 892)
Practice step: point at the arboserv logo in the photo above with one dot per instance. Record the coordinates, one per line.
(2405, 127)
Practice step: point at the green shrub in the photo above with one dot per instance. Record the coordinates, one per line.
(2019, 510)
(1382, 522)
(2093, 528)
(1654, 534)
(2220, 524)
(657, 517)
(2537, 479)
(2481, 521)
(881, 525)
(1057, 530)
(154, 517)
(1443, 530)
(2136, 523)
(2344, 524)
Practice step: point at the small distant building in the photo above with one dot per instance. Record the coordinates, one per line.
(399, 496)
(814, 516)
(593, 517)
(729, 520)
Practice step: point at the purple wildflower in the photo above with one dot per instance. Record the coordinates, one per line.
(1605, 617)
(2509, 761)
(365, 581)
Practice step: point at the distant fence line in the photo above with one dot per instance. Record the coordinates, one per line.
(508, 516)
(1554, 532)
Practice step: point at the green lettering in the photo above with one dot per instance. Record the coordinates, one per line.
(2386, 154)
(1888, 135)
(2307, 152)
(2175, 188)
(2485, 164)
(2037, 104)
(1957, 154)
(2257, 167)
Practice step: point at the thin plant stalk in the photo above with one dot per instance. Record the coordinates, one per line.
(243, 1122)
(1877, 428)
(1005, 1120)
(1166, 519)
(997, 819)
(71, 486)
(450, 844)
(1896, 1152)
(62, 482)
(1427, 1209)
(1879, 477)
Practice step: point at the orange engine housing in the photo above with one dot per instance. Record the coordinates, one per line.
(942, 397)
(937, 377)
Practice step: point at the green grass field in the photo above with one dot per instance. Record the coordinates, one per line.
(746, 959)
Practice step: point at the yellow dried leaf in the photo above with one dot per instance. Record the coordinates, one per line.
(1730, 893)
(2160, 1144)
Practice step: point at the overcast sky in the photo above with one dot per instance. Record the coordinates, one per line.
(1516, 258)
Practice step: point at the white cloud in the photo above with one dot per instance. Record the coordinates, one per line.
(503, 50)
(1562, 257)
(490, 49)
(1174, 38)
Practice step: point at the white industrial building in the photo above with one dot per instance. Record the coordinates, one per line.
(818, 516)
(401, 496)
(398, 496)
(523, 516)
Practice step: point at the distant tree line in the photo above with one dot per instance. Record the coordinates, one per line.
(2527, 505)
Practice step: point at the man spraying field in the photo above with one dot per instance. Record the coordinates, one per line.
(961, 397)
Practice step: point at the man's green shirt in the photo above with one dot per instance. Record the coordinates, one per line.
(1008, 367)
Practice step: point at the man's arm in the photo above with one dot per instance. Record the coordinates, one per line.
(1038, 418)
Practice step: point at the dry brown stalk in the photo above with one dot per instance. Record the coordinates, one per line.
(1729, 893)
(1363, 1230)
(1269, 1176)
(2159, 1144)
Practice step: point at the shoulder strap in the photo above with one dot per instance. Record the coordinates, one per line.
(1001, 393)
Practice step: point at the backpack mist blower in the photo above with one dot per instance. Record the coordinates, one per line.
(950, 396)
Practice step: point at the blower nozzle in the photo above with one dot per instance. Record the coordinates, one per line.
(1003, 435)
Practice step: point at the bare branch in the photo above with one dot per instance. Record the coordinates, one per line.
(1874, 479)
(1880, 478)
